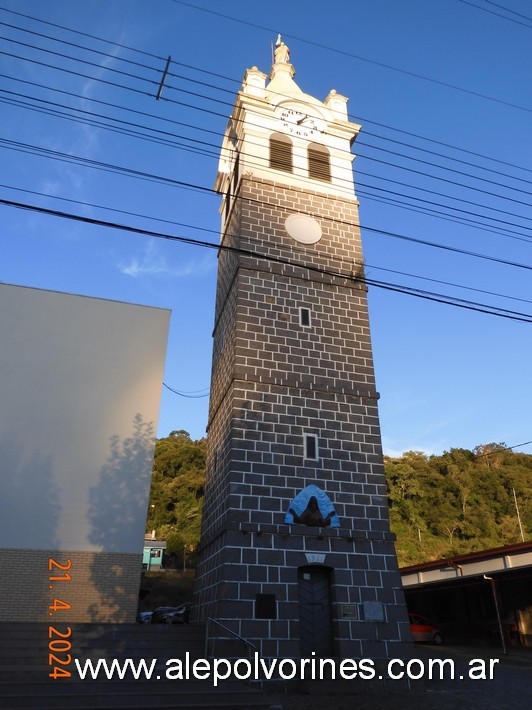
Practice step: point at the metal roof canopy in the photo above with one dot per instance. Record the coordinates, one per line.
(474, 564)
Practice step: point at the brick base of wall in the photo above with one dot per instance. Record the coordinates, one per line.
(103, 586)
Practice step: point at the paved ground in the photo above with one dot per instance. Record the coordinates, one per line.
(510, 689)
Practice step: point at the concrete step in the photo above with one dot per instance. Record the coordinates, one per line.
(131, 694)
(25, 681)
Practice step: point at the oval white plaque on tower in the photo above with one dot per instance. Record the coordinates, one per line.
(302, 228)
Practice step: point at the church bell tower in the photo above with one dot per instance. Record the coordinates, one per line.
(296, 554)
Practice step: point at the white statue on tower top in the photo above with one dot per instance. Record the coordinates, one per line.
(282, 53)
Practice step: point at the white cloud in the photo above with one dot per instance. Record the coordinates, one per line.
(149, 263)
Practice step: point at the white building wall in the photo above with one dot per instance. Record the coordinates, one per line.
(80, 385)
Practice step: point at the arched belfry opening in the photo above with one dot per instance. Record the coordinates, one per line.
(319, 162)
(281, 153)
(296, 553)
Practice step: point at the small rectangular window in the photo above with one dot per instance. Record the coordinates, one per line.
(227, 203)
(265, 606)
(311, 446)
(235, 173)
(304, 316)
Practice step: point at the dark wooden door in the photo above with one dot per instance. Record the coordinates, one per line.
(314, 611)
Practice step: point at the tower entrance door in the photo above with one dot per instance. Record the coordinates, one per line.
(315, 611)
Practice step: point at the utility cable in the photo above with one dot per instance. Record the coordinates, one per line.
(218, 75)
(397, 288)
(184, 394)
(79, 32)
(107, 167)
(447, 206)
(155, 82)
(229, 104)
(139, 174)
(259, 242)
(499, 14)
(54, 111)
(344, 53)
(78, 46)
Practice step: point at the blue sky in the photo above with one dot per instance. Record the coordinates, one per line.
(442, 90)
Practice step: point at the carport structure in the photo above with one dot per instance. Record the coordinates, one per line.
(477, 596)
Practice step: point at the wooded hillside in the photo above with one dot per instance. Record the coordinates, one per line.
(440, 506)
(458, 502)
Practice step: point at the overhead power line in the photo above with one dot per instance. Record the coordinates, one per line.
(76, 45)
(258, 241)
(181, 146)
(150, 177)
(188, 395)
(54, 106)
(79, 32)
(345, 53)
(401, 167)
(154, 82)
(51, 108)
(397, 288)
(501, 449)
(238, 82)
(446, 206)
(499, 14)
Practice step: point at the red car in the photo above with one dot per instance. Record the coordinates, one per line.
(423, 631)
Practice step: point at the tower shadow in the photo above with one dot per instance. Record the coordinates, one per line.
(117, 514)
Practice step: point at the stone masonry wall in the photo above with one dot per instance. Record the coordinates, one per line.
(275, 380)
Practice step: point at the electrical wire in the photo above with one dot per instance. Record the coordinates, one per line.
(375, 147)
(79, 32)
(259, 242)
(402, 167)
(505, 448)
(445, 206)
(154, 82)
(397, 288)
(143, 175)
(499, 14)
(106, 55)
(411, 170)
(345, 53)
(184, 394)
(230, 79)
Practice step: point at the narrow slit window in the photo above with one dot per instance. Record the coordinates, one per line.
(281, 153)
(304, 317)
(311, 446)
(227, 203)
(319, 163)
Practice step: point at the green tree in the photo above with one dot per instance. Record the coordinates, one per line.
(176, 496)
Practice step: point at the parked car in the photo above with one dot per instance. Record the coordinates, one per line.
(171, 614)
(144, 617)
(423, 631)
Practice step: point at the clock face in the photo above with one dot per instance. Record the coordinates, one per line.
(298, 123)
